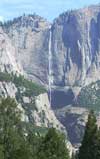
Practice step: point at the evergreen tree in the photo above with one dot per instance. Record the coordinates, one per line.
(97, 145)
(53, 146)
(88, 147)
(34, 141)
(10, 134)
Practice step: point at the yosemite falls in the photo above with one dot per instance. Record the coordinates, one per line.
(50, 77)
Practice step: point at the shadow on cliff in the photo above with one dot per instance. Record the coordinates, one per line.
(61, 98)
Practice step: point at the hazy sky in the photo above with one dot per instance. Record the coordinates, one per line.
(49, 9)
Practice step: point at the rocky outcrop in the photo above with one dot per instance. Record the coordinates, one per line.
(8, 62)
(46, 113)
(30, 37)
(36, 109)
(74, 119)
(76, 47)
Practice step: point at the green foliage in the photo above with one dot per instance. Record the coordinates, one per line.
(88, 147)
(32, 89)
(5, 77)
(9, 127)
(41, 131)
(53, 146)
(20, 140)
(97, 145)
(89, 96)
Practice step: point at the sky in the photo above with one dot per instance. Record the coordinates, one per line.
(48, 9)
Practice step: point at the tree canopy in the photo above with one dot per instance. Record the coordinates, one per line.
(16, 144)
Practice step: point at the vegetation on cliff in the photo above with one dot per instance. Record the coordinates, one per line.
(20, 81)
(89, 97)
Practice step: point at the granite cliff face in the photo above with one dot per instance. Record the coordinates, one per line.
(75, 46)
(8, 62)
(29, 35)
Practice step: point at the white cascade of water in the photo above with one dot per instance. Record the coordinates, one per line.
(50, 77)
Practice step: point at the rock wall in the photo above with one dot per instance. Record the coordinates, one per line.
(8, 63)
(36, 109)
(30, 37)
(75, 46)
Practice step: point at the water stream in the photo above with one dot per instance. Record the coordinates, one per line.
(50, 77)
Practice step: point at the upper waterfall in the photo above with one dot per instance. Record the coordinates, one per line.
(50, 77)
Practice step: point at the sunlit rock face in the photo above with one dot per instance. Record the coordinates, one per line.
(8, 62)
(29, 36)
(76, 47)
(38, 112)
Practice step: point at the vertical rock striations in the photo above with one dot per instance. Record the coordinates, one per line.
(76, 47)
(30, 37)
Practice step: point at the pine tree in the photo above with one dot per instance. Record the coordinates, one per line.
(10, 136)
(88, 147)
(34, 141)
(53, 146)
(97, 145)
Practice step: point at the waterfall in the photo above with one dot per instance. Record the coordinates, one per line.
(50, 77)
